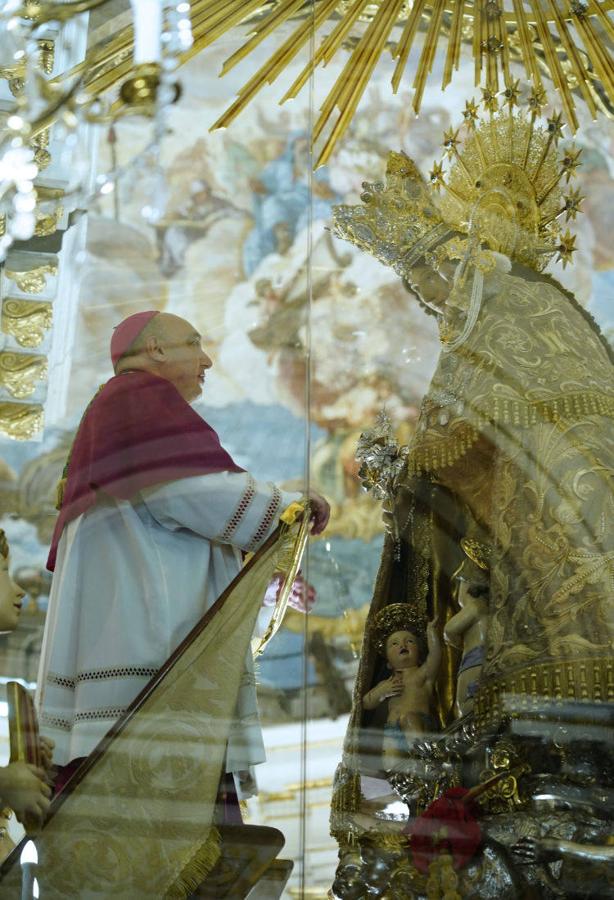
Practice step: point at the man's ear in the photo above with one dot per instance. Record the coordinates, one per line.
(154, 349)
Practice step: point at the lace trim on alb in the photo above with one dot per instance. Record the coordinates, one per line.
(269, 514)
(239, 514)
(86, 715)
(61, 681)
(89, 715)
(101, 674)
(55, 721)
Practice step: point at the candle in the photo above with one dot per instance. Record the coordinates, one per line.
(147, 16)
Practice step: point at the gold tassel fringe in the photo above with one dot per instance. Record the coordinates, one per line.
(197, 869)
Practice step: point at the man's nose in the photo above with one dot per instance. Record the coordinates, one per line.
(19, 591)
(206, 360)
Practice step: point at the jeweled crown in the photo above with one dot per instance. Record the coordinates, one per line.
(505, 181)
(503, 189)
(397, 222)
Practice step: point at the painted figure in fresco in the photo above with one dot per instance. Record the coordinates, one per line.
(408, 691)
(24, 788)
(154, 519)
(285, 202)
(191, 221)
(466, 630)
(514, 435)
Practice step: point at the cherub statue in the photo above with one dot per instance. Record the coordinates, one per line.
(534, 850)
(24, 788)
(466, 630)
(408, 691)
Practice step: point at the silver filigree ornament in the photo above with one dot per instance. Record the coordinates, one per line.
(381, 458)
(382, 461)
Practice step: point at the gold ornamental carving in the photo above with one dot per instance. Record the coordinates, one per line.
(27, 321)
(48, 223)
(517, 694)
(20, 421)
(495, 30)
(46, 59)
(32, 281)
(40, 144)
(20, 373)
(566, 45)
(46, 48)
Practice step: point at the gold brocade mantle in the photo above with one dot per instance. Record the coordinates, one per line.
(514, 445)
(525, 363)
(432, 452)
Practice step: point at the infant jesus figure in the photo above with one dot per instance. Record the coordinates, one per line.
(409, 689)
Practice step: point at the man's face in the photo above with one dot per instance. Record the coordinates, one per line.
(184, 362)
(402, 650)
(11, 598)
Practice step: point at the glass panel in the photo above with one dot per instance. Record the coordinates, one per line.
(400, 300)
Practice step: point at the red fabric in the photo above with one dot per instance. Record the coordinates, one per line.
(449, 824)
(228, 806)
(65, 773)
(126, 333)
(302, 597)
(138, 431)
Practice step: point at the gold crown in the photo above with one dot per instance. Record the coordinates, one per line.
(503, 189)
(504, 185)
(397, 617)
(477, 552)
(397, 222)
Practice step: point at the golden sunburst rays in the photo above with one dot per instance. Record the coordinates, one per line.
(565, 43)
(563, 39)
(508, 177)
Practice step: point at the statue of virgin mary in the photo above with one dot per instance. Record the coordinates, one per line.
(514, 445)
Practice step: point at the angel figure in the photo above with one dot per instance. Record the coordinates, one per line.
(466, 630)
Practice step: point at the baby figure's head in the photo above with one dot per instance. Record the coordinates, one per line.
(399, 634)
(402, 650)
(11, 595)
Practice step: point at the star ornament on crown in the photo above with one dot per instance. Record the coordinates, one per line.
(503, 188)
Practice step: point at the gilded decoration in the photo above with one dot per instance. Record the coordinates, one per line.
(48, 223)
(46, 53)
(503, 190)
(27, 321)
(573, 678)
(20, 373)
(20, 420)
(32, 281)
(40, 144)
(541, 39)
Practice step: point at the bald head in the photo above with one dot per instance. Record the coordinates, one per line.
(169, 347)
